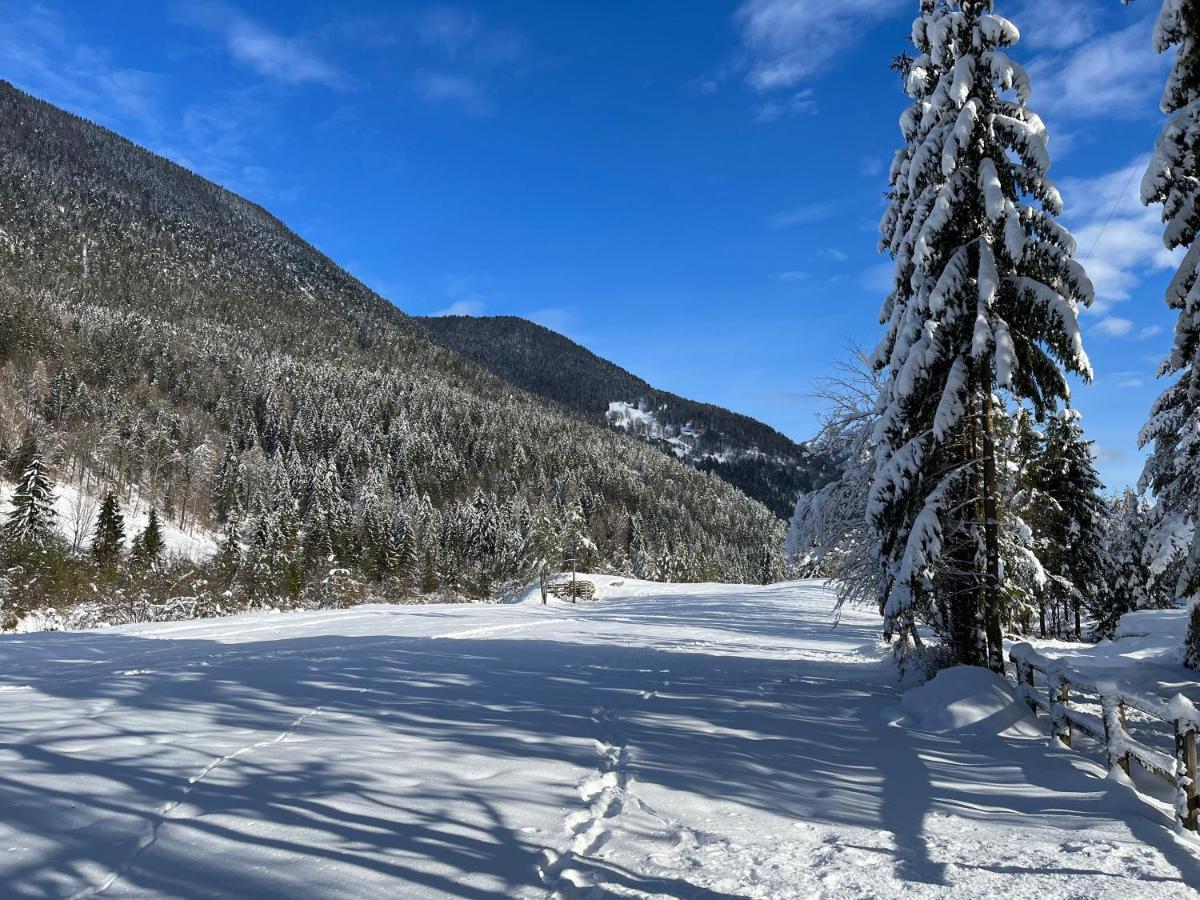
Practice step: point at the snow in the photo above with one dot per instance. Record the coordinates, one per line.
(685, 441)
(667, 741)
(77, 508)
(1145, 657)
(969, 697)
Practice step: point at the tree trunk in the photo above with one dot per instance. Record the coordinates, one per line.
(991, 531)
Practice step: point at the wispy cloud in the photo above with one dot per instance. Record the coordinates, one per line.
(469, 307)
(284, 58)
(800, 103)
(787, 41)
(802, 215)
(447, 88)
(42, 56)
(1055, 24)
(1120, 241)
(462, 35)
(468, 54)
(1115, 75)
(1113, 326)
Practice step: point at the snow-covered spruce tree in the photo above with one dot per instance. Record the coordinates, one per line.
(1131, 584)
(30, 525)
(1074, 532)
(1173, 179)
(986, 299)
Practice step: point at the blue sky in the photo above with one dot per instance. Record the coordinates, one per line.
(691, 189)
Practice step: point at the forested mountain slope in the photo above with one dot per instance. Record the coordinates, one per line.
(754, 457)
(160, 335)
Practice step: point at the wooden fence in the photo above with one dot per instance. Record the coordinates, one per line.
(1111, 727)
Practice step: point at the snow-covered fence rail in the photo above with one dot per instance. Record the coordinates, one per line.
(1111, 728)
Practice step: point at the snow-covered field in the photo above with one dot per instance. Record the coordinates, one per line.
(669, 741)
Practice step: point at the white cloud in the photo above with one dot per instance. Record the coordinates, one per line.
(792, 276)
(472, 306)
(1113, 76)
(870, 167)
(461, 34)
(1120, 241)
(800, 103)
(273, 55)
(1055, 24)
(787, 41)
(802, 215)
(1113, 326)
(834, 253)
(1149, 331)
(447, 28)
(41, 55)
(447, 88)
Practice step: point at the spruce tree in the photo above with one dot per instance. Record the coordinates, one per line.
(20, 459)
(149, 546)
(1075, 530)
(109, 538)
(1173, 179)
(30, 525)
(986, 300)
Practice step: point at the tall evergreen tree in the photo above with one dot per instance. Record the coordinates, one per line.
(149, 546)
(1173, 179)
(1075, 528)
(30, 525)
(109, 538)
(986, 300)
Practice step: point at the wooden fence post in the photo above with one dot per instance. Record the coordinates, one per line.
(1125, 756)
(1060, 725)
(1188, 791)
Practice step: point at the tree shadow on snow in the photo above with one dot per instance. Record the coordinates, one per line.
(805, 742)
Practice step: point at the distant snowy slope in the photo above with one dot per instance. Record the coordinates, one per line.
(699, 741)
(748, 454)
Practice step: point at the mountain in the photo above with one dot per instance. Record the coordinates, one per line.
(750, 455)
(163, 338)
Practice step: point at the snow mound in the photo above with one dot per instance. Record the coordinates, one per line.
(1167, 625)
(968, 698)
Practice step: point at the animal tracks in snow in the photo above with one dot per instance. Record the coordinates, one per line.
(157, 819)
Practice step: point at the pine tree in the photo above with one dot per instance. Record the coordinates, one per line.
(1173, 179)
(1075, 530)
(30, 525)
(149, 546)
(986, 299)
(109, 538)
